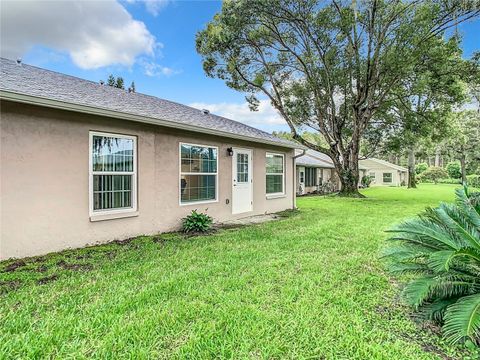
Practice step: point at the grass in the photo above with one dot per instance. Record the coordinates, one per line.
(308, 286)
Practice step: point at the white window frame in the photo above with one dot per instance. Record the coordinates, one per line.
(131, 209)
(180, 173)
(391, 178)
(273, 195)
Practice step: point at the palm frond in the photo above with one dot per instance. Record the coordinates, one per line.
(441, 249)
(444, 288)
(408, 268)
(436, 310)
(417, 291)
(459, 225)
(415, 240)
(440, 261)
(462, 319)
(427, 229)
(470, 205)
(406, 252)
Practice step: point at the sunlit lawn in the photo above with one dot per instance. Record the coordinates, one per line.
(308, 286)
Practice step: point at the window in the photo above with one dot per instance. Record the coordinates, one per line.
(112, 173)
(310, 176)
(198, 173)
(275, 174)
(387, 177)
(242, 168)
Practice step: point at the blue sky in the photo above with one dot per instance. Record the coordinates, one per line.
(165, 64)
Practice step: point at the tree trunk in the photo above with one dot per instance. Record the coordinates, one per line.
(349, 182)
(412, 183)
(463, 167)
(349, 175)
(347, 169)
(437, 157)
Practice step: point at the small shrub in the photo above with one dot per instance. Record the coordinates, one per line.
(196, 222)
(433, 174)
(441, 250)
(420, 168)
(473, 180)
(454, 170)
(366, 181)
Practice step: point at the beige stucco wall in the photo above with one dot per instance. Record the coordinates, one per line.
(378, 170)
(44, 177)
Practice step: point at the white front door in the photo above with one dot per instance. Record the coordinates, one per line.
(242, 195)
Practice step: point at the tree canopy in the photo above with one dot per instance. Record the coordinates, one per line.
(330, 68)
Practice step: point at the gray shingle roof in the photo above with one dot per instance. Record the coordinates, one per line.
(308, 160)
(317, 159)
(386, 163)
(33, 81)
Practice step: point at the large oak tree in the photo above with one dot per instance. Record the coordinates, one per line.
(328, 67)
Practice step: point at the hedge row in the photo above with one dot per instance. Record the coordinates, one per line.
(472, 180)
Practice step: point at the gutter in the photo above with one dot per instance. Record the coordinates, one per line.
(294, 193)
(63, 105)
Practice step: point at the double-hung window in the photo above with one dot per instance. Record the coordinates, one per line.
(113, 173)
(387, 177)
(198, 173)
(275, 174)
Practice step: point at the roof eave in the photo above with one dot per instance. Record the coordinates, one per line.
(63, 105)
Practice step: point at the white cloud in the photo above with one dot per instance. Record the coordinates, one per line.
(155, 6)
(152, 6)
(151, 68)
(266, 117)
(93, 33)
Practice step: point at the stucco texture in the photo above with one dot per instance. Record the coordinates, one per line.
(45, 180)
(377, 170)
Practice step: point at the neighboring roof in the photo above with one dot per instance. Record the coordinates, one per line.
(386, 163)
(29, 84)
(307, 160)
(315, 159)
(318, 159)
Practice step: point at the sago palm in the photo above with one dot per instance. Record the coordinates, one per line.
(441, 248)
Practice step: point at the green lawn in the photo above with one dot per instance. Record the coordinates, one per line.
(308, 286)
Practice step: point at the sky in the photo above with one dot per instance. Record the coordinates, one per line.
(150, 42)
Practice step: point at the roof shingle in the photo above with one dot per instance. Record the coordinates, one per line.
(36, 82)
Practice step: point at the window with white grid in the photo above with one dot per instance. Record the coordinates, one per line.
(113, 173)
(198, 173)
(275, 174)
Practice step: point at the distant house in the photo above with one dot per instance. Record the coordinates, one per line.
(385, 173)
(84, 163)
(316, 173)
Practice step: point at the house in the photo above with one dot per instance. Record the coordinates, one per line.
(316, 173)
(84, 163)
(385, 173)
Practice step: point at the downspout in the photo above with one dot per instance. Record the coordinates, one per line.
(294, 194)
